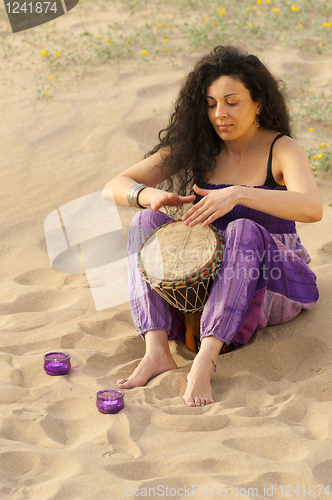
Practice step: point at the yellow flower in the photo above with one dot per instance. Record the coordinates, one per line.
(44, 53)
(47, 93)
(215, 24)
(301, 26)
(144, 52)
(165, 50)
(259, 1)
(169, 23)
(98, 37)
(276, 9)
(206, 19)
(321, 44)
(268, 1)
(318, 157)
(311, 90)
(283, 39)
(249, 25)
(323, 146)
(165, 40)
(51, 78)
(303, 77)
(127, 40)
(295, 9)
(310, 129)
(107, 40)
(327, 25)
(57, 54)
(221, 11)
(160, 26)
(254, 8)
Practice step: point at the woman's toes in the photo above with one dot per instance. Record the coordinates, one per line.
(121, 381)
(124, 383)
(188, 402)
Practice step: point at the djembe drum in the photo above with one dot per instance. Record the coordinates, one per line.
(180, 262)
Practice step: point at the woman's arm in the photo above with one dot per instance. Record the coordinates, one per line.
(301, 202)
(149, 172)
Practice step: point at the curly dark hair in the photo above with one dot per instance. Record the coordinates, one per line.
(189, 142)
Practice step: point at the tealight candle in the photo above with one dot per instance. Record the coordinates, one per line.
(110, 401)
(57, 363)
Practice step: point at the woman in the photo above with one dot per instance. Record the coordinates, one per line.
(228, 139)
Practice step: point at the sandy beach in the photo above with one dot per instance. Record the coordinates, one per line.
(64, 134)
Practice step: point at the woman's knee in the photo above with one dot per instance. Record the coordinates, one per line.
(149, 218)
(140, 218)
(142, 224)
(242, 237)
(244, 231)
(243, 225)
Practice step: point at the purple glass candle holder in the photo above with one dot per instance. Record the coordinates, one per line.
(110, 401)
(57, 363)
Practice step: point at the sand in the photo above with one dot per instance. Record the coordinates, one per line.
(271, 424)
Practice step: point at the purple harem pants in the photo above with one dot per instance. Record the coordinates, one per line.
(263, 280)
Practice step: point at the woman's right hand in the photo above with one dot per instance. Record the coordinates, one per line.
(157, 198)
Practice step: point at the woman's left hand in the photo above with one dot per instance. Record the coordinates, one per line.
(214, 204)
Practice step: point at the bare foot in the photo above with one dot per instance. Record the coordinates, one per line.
(199, 390)
(151, 365)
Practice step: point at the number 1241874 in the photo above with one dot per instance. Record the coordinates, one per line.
(31, 8)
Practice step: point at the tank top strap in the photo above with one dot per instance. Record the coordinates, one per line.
(270, 182)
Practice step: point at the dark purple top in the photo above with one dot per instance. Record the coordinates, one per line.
(274, 225)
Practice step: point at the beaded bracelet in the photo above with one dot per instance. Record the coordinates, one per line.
(133, 193)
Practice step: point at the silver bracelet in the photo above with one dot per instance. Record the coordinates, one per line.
(133, 193)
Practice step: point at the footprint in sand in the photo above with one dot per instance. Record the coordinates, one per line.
(272, 447)
(24, 428)
(133, 423)
(189, 423)
(322, 472)
(41, 300)
(102, 328)
(48, 278)
(17, 463)
(69, 421)
(97, 365)
(21, 468)
(29, 414)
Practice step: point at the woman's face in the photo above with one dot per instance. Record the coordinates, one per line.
(230, 108)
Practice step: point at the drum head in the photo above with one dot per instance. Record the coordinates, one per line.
(178, 252)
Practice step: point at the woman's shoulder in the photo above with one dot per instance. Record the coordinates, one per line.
(286, 147)
(285, 142)
(289, 156)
